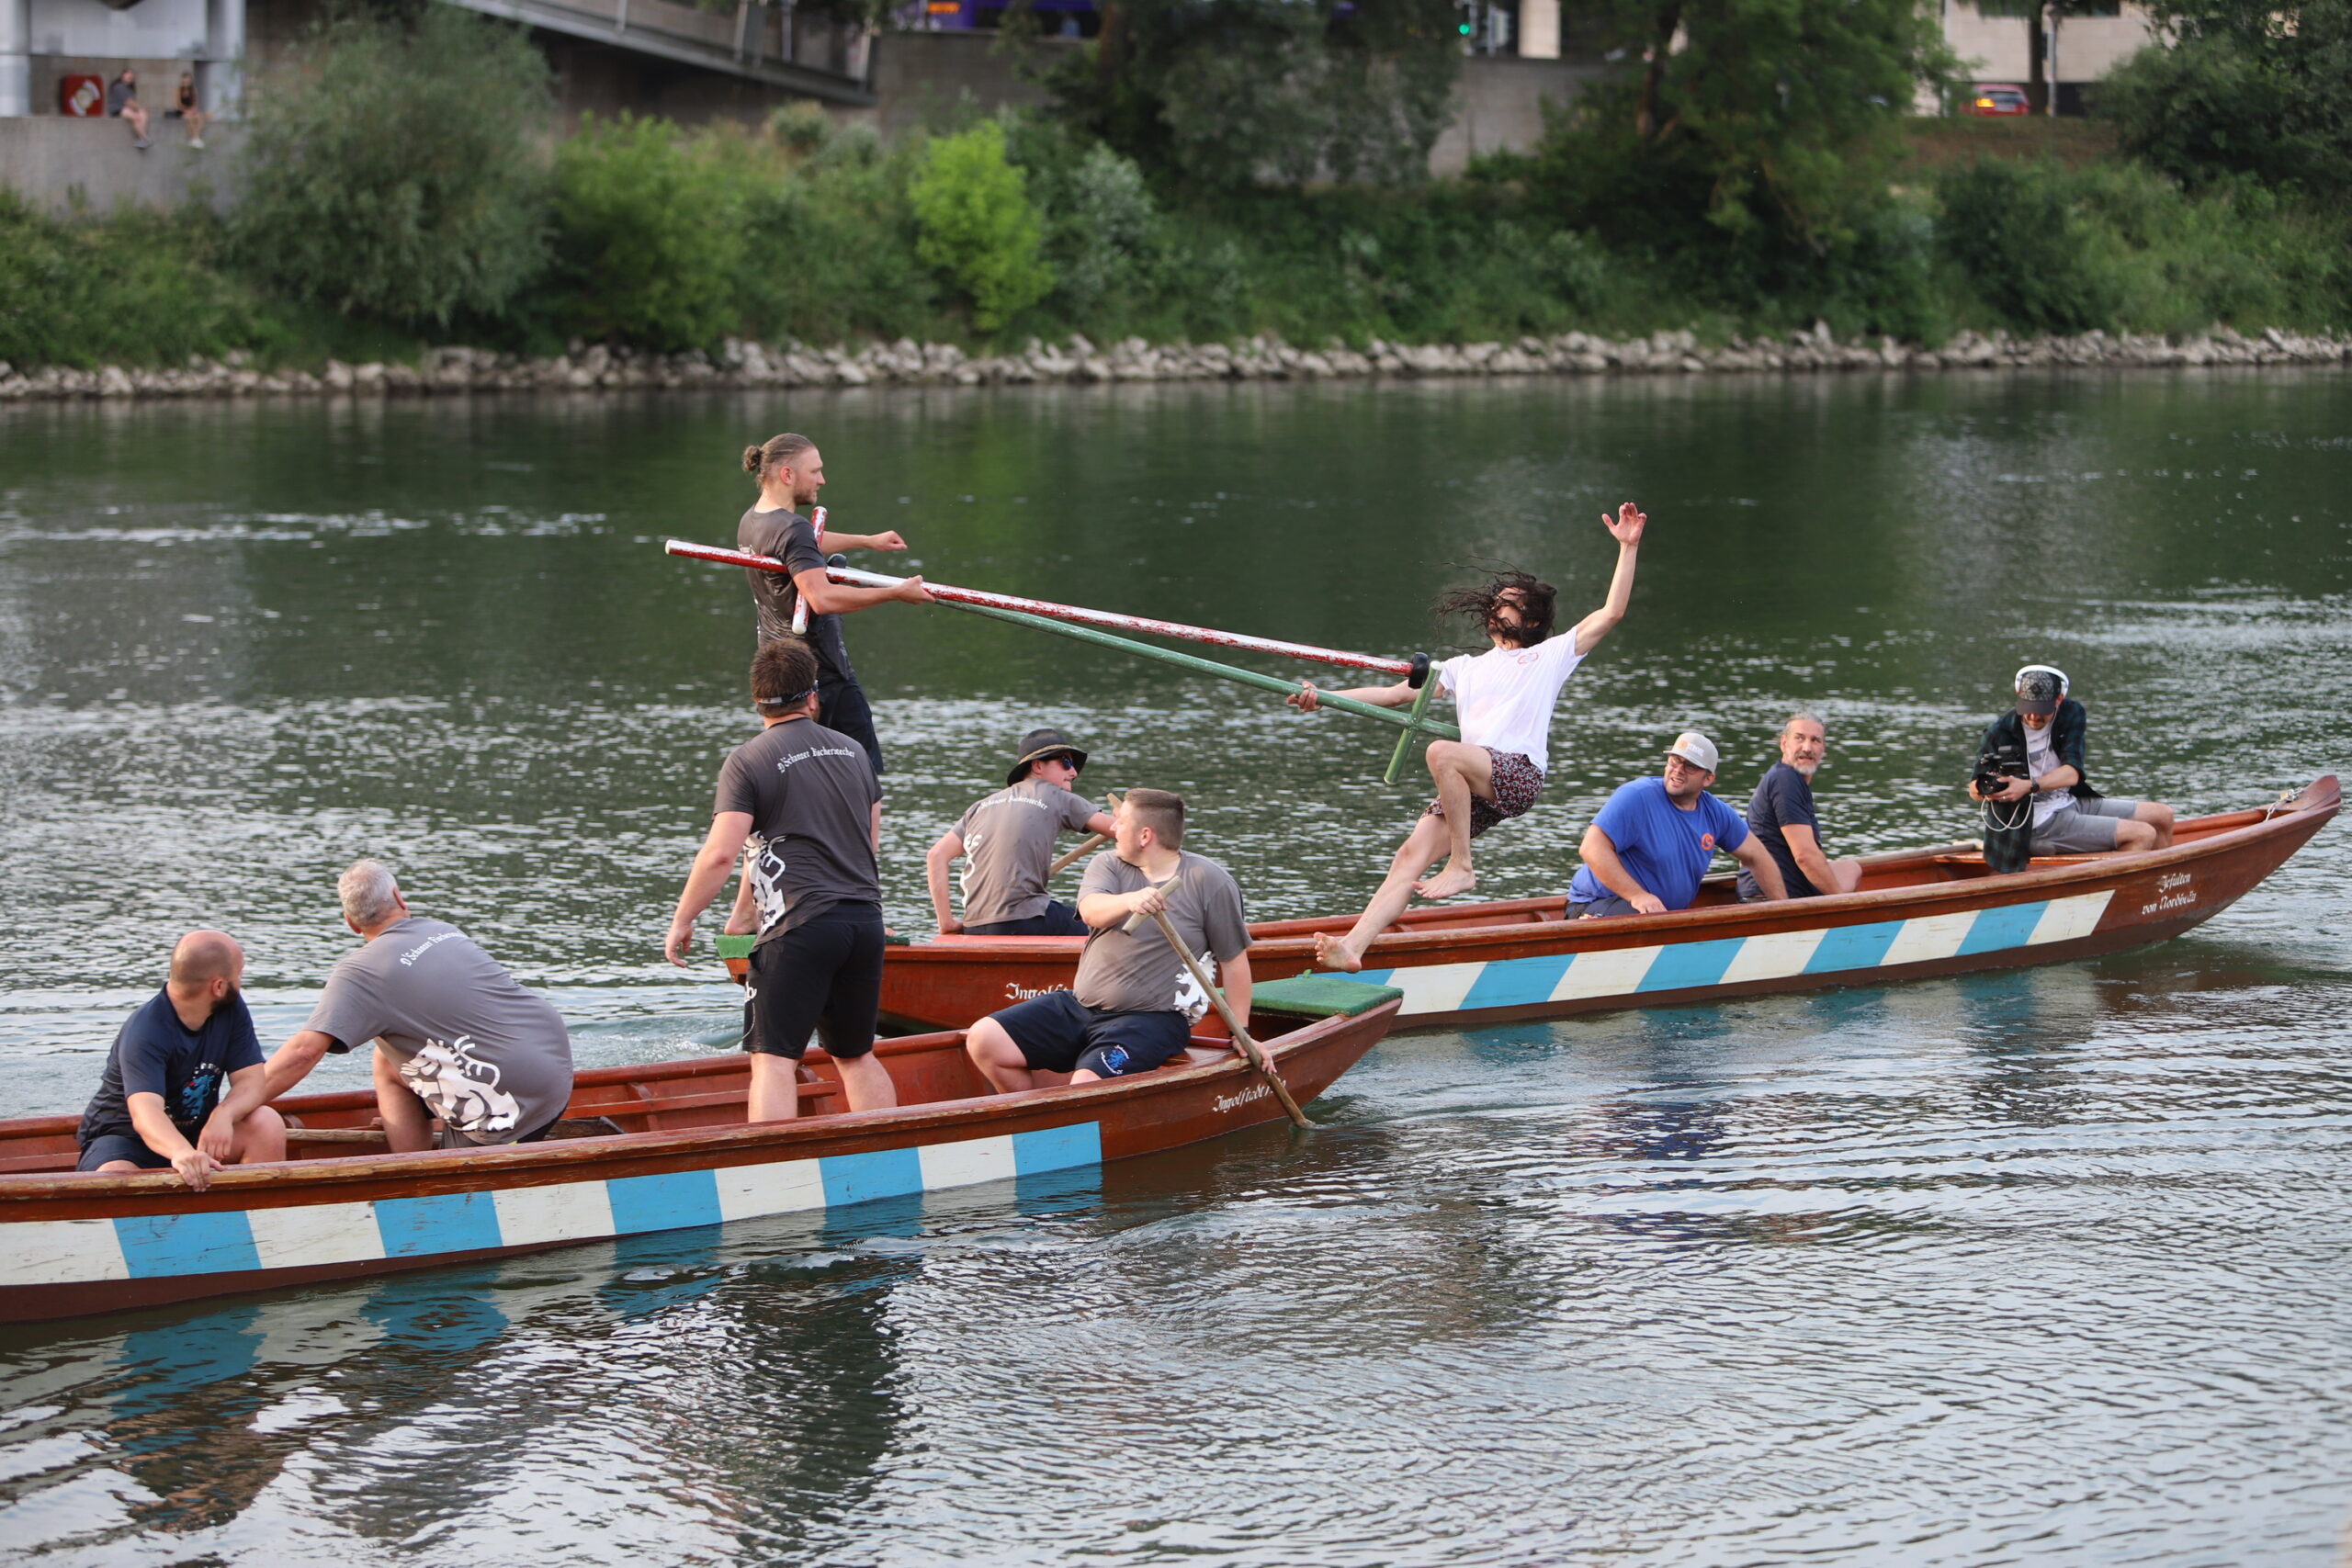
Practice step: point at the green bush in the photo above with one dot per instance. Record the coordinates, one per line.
(650, 232)
(398, 169)
(135, 289)
(831, 251)
(975, 225)
(2014, 232)
(2259, 91)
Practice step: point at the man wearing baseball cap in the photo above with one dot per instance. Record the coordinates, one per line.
(1648, 848)
(2034, 753)
(1009, 839)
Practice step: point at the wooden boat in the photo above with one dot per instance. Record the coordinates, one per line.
(1922, 912)
(642, 1148)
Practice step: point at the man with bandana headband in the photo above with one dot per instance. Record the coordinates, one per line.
(1503, 701)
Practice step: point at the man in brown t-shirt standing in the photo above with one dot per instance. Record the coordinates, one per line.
(1010, 838)
(804, 799)
(1134, 1004)
(791, 471)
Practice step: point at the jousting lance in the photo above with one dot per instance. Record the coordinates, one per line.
(1076, 622)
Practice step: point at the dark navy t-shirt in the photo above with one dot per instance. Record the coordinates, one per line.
(1665, 847)
(155, 1053)
(1783, 799)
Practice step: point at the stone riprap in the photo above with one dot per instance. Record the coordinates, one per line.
(904, 363)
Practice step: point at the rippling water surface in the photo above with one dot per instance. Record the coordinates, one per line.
(2042, 1267)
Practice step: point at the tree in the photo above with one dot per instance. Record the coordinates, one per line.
(2261, 90)
(1225, 94)
(397, 168)
(1766, 125)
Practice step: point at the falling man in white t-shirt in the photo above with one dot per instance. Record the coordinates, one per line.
(1503, 702)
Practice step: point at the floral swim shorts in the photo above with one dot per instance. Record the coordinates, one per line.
(1517, 780)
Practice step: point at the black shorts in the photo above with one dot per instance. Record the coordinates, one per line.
(1059, 919)
(1058, 1033)
(825, 975)
(109, 1146)
(843, 706)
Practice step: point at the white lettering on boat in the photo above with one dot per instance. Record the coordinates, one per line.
(1016, 992)
(1224, 1102)
(2175, 890)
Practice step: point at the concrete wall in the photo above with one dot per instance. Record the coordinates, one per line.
(919, 78)
(2088, 47)
(1499, 105)
(65, 166)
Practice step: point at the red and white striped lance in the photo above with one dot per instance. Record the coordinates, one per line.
(1108, 619)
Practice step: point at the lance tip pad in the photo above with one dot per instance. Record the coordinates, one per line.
(836, 558)
(1419, 675)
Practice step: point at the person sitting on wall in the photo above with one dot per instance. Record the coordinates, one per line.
(184, 109)
(1009, 839)
(1648, 849)
(2035, 753)
(122, 103)
(159, 1105)
(1134, 1003)
(1781, 815)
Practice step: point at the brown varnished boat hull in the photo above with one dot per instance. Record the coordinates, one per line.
(75, 1245)
(1518, 960)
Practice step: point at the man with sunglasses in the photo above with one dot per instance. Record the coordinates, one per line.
(1009, 838)
(2034, 753)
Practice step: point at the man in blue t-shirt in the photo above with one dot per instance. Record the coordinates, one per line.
(160, 1103)
(1648, 848)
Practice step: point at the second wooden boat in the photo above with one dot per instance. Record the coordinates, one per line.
(1922, 912)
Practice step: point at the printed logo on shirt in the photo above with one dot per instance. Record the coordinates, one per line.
(461, 1089)
(785, 764)
(1191, 1001)
(767, 881)
(1706, 841)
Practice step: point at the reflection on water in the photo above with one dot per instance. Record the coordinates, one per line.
(2033, 1267)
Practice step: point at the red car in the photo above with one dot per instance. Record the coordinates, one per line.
(1996, 98)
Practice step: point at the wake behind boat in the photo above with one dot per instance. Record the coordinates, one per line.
(1918, 913)
(645, 1148)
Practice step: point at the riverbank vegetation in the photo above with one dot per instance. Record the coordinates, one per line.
(402, 191)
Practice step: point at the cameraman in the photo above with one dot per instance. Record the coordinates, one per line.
(2035, 754)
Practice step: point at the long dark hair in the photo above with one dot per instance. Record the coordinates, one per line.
(1537, 603)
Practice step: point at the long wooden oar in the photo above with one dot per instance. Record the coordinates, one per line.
(1093, 843)
(978, 598)
(1251, 1051)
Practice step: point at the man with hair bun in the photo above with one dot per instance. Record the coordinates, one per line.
(465, 1056)
(790, 471)
(1503, 698)
(160, 1104)
(804, 801)
(1134, 1003)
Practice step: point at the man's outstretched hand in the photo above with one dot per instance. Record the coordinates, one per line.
(1627, 526)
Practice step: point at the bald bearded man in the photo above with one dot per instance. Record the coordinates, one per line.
(160, 1103)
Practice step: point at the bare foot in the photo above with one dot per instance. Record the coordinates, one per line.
(1447, 884)
(1331, 953)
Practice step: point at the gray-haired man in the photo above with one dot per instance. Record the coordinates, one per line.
(464, 1055)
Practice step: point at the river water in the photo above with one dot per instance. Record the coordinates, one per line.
(2038, 1266)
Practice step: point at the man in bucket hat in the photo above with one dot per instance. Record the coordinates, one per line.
(1648, 848)
(1009, 838)
(2035, 753)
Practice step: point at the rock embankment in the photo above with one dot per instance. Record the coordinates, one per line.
(905, 363)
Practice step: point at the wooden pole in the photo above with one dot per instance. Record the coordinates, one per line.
(969, 597)
(1251, 1051)
(1093, 843)
(1413, 728)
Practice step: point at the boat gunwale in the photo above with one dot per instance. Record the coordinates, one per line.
(30, 1195)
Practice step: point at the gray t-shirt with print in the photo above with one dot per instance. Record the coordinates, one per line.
(792, 539)
(492, 1059)
(1009, 844)
(810, 793)
(1140, 973)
